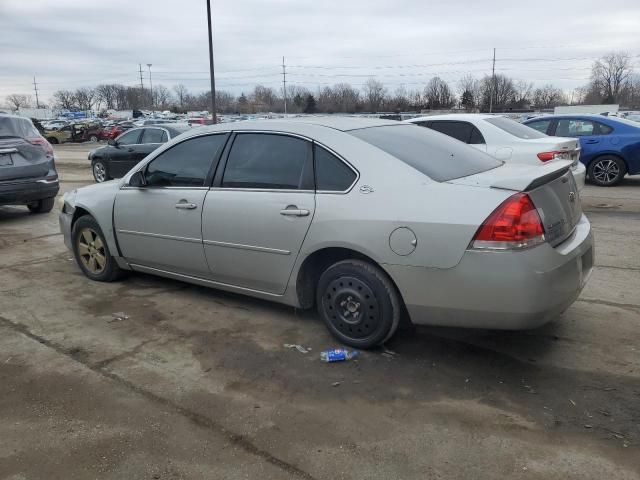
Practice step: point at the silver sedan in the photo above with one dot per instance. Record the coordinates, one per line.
(363, 219)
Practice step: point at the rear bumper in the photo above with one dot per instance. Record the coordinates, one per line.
(579, 174)
(501, 290)
(21, 192)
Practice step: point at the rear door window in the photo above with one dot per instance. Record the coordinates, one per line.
(439, 157)
(152, 135)
(569, 127)
(268, 161)
(458, 130)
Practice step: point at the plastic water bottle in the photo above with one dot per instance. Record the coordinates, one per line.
(338, 355)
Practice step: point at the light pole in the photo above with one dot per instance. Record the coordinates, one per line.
(150, 85)
(211, 73)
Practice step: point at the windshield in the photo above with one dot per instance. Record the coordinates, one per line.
(514, 128)
(436, 155)
(17, 127)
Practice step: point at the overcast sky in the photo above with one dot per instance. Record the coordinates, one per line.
(73, 43)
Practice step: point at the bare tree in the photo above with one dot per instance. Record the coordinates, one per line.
(374, 94)
(181, 94)
(85, 98)
(162, 97)
(400, 100)
(18, 100)
(610, 75)
(501, 88)
(263, 98)
(65, 99)
(438, 94)
(548, 96)
(523, 92)
(470, 91)
(108, 95)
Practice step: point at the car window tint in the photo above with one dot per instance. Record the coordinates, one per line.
(575, 128)
(476, 137)
(152, 135)
(129, 138)
(604, 129)
(541, 125)
(514, 128)
(165, 137)
(423, 123)
(332, 174)
(440, 157)
(186, 164)
(458, 130)
(260, 160)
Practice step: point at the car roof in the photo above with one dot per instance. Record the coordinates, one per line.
(587, 116)
(343, 124)
(452, 116)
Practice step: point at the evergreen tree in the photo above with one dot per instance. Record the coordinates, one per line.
(310, 106)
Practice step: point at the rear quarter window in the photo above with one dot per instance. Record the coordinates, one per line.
(438, 156)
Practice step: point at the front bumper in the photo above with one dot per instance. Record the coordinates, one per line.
(65, 219)
(502, 290)
(22, 192)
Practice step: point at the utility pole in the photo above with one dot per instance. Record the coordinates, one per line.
(284, 85)
(493, 81)
(35, 87)
(211, 71)
(150, 85)
(141, 84)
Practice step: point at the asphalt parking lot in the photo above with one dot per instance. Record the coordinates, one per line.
(152, 378)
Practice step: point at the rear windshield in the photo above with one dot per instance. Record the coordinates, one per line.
(434, 154)
(515, 128)
(17, 127)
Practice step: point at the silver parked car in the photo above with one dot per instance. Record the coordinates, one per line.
(361, 218)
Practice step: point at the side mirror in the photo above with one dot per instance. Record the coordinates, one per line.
(137, 180)
(112, 142)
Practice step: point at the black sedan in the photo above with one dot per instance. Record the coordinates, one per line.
(122, 154)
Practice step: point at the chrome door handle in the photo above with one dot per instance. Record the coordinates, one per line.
(186, 206)
(295, 212)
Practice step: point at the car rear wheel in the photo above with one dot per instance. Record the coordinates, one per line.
(93, 138)
(100, 171)
(607, 171)
(42, 206)
(358, 303)
(91, 251)
(52, 140)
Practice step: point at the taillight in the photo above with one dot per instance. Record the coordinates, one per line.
(41, 141)
(515, 224)
(554, 155)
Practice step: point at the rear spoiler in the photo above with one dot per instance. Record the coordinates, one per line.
(534, 177)
(516, 176)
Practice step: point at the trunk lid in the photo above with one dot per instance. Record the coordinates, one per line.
(550, 186)
(21, 160)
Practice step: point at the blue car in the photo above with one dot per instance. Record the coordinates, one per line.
(610, 146)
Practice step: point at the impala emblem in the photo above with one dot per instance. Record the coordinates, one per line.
(572, 197)
(366, 189)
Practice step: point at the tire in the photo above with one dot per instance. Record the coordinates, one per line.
(358, 303)
(53, 140)
(42, 206)
(90, 249)
(93, 138)
(100, 171)
(607, 171)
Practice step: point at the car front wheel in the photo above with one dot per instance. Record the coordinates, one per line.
(100, 171)
(91, 251)
(607, 171)
(358, 303)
